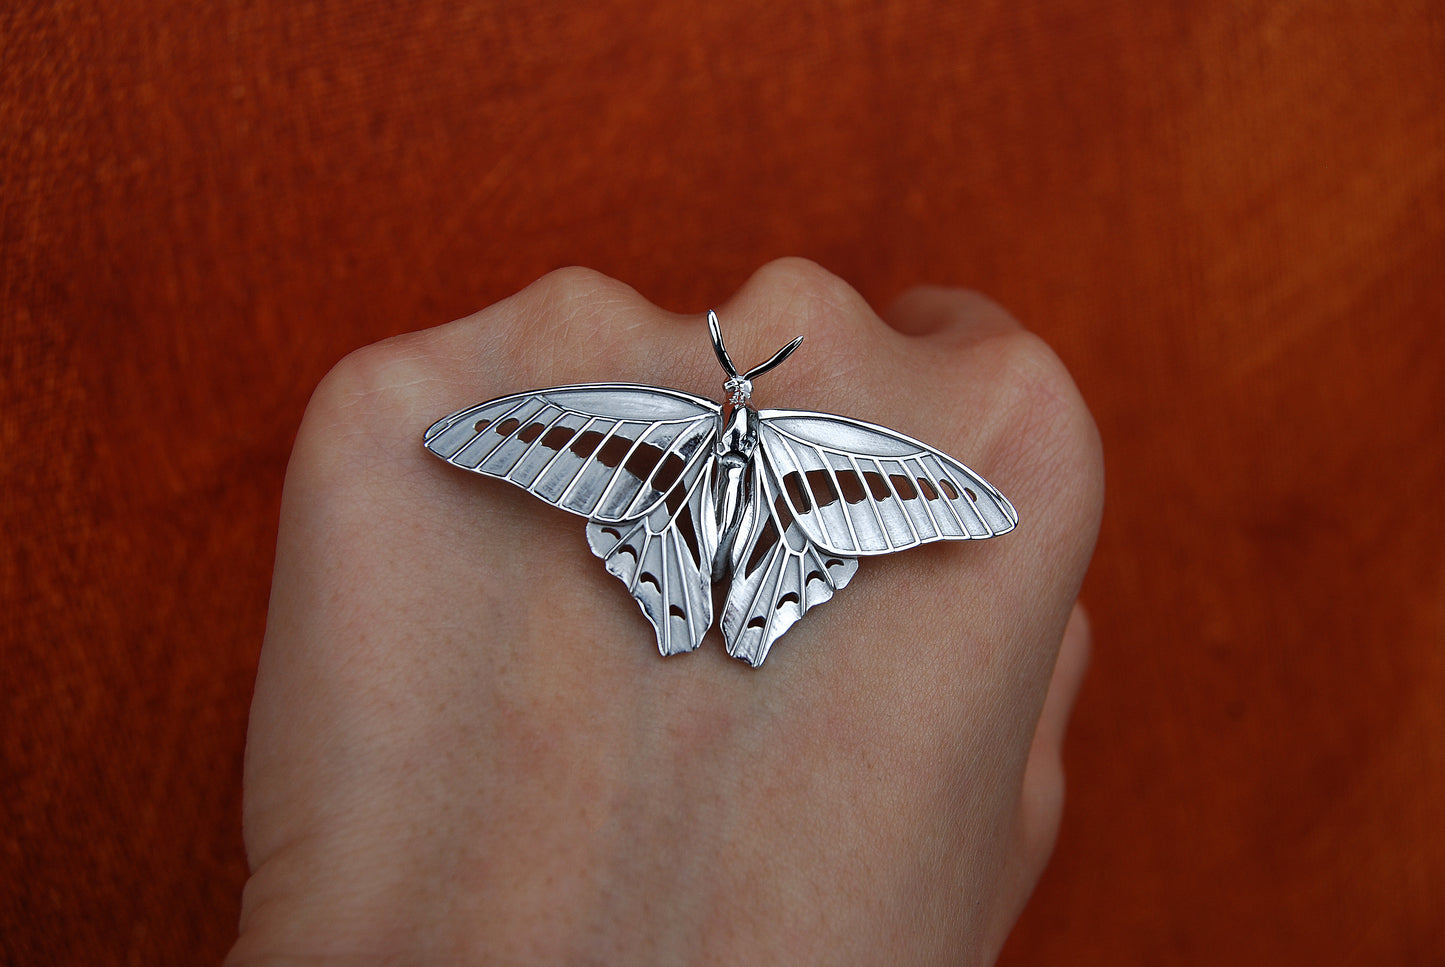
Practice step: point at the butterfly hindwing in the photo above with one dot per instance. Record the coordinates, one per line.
(608, 451)
(856, 488)
(661, 559)
(778, 573)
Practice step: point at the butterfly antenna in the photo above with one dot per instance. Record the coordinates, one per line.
(778, 357)
(717, 345)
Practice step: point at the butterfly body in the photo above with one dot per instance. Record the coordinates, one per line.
(731, 485)
(683, 495)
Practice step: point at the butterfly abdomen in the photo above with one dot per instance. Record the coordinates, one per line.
(732, 485)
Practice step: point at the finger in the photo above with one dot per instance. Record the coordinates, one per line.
(1043, 786)
(930, 310)
(1069, 670)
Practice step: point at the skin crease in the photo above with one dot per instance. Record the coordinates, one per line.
(464, 747)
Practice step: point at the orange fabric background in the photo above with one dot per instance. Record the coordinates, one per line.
(1229, 218)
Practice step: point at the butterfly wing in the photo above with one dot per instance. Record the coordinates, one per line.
(664, 563)
(608, 451)
(855, 488)
(778, 573)
(630, 459)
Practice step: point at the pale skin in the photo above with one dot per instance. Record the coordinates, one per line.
(464, 747)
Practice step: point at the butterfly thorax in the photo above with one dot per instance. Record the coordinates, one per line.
(737, 435)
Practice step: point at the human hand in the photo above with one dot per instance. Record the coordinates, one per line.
(465, 748)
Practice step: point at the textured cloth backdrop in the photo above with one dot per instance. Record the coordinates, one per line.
(1229, 218)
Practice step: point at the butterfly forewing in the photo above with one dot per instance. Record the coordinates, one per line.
(608, 451)
(856, 488)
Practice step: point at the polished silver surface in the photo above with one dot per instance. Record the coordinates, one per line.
(682, 493)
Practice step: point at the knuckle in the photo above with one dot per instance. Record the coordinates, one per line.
(1036, 374)
(568, 290)
(363, 374)
(370, 395)
(946, 311)
(1047, 424)
(972, 311)
(569, 302)
(799, 280)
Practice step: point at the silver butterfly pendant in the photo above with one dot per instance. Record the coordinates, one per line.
(681, 493)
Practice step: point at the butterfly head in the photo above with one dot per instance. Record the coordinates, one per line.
(739, 387)
(739, 390)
